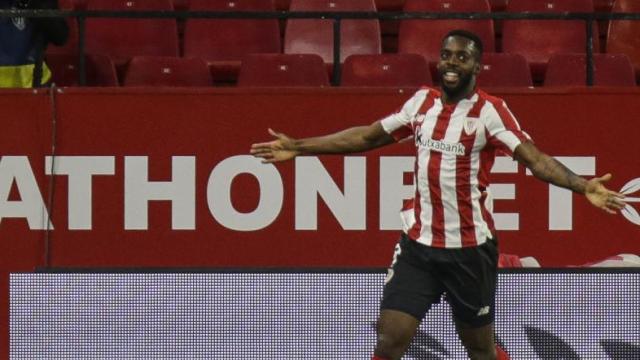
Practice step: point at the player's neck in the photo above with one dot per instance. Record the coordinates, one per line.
(464, 94)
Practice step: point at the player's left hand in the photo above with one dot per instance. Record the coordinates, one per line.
(603, 198)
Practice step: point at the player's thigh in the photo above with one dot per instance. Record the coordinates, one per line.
(470, 282)
(411, 286)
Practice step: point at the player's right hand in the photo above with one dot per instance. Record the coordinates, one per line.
(280, 149)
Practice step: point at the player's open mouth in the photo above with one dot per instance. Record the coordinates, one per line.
(450, 77)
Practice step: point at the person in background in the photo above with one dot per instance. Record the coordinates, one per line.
(23, 42)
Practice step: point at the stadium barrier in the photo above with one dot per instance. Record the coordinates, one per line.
(162, 177)
(143, 178)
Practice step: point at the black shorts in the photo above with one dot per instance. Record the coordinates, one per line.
(420, 275)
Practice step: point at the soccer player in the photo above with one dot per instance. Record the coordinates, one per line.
(451, 247)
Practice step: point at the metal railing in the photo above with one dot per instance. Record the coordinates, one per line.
(337, 17)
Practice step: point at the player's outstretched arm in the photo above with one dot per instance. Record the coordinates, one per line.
(548, 169)
(355, 139)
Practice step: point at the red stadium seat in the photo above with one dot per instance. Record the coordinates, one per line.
(181, 5)
(80, 4)
(223, 43)
(424, 37)
(623, 36)
(283, 70)
(389, 5)
(282, 5)
(121, 39)
(304, 36)
(100, 70)
(390, 70)
(603, 5)
(167, 71)
(498, 5)
(69, 4)
(500, 69)
(608, 70)
(536, 40)
(389, 28)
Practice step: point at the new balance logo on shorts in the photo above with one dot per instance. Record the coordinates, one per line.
(484, 311)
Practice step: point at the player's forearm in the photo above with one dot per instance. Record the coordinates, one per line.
(351, 140)
(551, 170)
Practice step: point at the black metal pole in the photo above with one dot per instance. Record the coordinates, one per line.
(589, 59)
(82, 68)
(336, 52)
(52, 178)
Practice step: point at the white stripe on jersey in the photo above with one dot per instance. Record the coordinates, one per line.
(448, 179)
(498, 128)
(482, 229)
(423, 182)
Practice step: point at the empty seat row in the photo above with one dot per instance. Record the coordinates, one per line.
(386, 70)
(222, 43)
(381, 5)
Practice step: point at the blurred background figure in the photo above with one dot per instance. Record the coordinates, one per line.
(23, 42)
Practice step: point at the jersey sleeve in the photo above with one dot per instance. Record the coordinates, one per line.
(400, 124)
(503, 130)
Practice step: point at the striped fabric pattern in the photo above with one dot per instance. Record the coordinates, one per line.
(456, 145)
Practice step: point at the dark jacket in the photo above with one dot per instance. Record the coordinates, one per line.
(23, 42)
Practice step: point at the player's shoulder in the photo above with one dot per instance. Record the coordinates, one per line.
(422, 94)
(488, 107)
(428, 90)
(491, 99)
(418, 98)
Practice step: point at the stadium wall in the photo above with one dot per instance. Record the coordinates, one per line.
(162, 178)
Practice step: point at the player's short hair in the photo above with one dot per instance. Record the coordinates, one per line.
(477, 43)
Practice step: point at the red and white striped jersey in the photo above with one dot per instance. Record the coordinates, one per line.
(456, 146)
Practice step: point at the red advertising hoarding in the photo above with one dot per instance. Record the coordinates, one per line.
(162, 178)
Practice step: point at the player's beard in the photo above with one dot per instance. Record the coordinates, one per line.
(458, 89)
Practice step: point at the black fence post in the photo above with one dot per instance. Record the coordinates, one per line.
(589, 51)
(82, 66)
(336, 51)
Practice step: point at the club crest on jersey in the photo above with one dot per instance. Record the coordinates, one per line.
(470, 126)
(19, 22)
